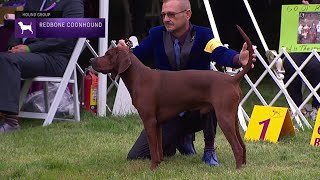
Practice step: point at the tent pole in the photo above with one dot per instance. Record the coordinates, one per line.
(103, 46)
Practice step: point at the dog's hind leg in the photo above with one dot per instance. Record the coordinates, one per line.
(227, 125)
(160, 145)
(244, 161)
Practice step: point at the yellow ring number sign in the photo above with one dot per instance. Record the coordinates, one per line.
(315, 139)
(268, 123)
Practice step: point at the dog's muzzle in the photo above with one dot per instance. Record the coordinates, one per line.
(94, 64)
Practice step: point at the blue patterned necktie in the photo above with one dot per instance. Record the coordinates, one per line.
(177, 51)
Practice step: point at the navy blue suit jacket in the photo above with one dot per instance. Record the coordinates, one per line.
(153, 48)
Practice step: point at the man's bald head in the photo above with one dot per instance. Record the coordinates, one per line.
(184, 4)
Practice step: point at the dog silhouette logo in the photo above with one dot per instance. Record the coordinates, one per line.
(25, 27)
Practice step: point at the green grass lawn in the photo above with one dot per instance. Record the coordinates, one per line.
(96, 148)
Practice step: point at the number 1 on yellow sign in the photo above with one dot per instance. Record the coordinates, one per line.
(269, 123)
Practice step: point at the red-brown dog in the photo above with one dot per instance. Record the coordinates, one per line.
(161, 95)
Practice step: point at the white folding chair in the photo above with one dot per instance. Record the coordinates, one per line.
(69, 76)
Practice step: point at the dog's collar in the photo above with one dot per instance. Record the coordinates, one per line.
(129, 44)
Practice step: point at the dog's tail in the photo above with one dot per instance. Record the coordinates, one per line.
(247, 67)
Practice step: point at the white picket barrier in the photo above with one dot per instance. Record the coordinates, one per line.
(277, 77)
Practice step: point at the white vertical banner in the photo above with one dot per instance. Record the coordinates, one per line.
(103, 46)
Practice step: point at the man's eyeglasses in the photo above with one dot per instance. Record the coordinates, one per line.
(171, 14)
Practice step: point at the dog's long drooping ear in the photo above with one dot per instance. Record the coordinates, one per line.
(124, 60)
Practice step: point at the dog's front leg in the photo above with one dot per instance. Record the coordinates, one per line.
(150, 126)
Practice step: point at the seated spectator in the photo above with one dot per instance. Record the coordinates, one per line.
(27, 58)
